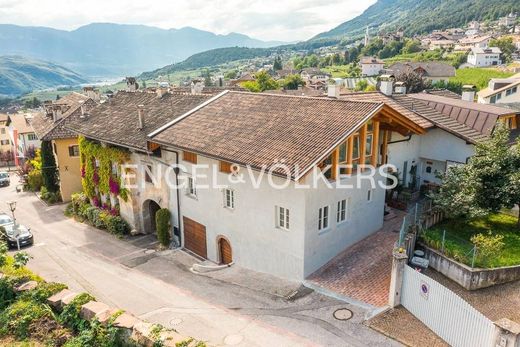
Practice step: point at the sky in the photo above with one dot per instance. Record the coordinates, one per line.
(282, 20)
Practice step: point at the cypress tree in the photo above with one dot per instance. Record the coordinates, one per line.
(49, 169)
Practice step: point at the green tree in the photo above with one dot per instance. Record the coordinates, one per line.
(488, 183)
(49, 169)
(361, 85)
(277, 63)
(231, 74)
(413, 81)
(506, 45)
(263, 82)
(411, 46)
(292, 82)
(162, 221)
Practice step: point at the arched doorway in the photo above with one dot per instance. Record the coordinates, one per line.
(150, 208)
(225, 253)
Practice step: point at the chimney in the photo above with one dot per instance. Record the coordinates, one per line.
(131, 84)
(197, 86)
(386, 85)
(140, 115)
(468, 92)
(334, 88)
(400, 88)
(92, 93)
(161, 91)
(56, 112)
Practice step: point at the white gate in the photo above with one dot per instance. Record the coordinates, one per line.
(444, 312)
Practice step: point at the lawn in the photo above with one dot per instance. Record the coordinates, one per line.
(459, 233)
(479, 77)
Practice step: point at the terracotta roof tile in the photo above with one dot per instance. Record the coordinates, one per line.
(258, 129)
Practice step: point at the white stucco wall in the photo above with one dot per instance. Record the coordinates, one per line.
(440, 145)
(363, 218)
(405, 150)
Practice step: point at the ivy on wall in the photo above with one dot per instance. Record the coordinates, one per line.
(97, 176)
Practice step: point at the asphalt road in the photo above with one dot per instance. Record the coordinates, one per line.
(159, 287)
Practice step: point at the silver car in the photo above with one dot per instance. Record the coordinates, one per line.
(5, 180)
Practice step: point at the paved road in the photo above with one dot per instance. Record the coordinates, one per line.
(160, 287)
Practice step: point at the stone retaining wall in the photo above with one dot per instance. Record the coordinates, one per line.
(469, 278)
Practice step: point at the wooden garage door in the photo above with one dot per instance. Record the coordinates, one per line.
(195, 237)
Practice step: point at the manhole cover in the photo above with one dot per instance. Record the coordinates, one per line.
(232, 340)
(343, 314)
(175, 321)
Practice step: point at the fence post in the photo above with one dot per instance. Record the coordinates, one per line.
(443, 239)
(396, 280)
(507, 333)
(474, 256)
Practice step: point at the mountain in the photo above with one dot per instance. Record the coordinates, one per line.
(114, 50)
(421, 16)
(209, 58)
(19, 75)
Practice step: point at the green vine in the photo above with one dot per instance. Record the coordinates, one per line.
(100, 177)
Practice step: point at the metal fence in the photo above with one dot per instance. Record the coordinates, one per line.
(444, 312)
(453, 247)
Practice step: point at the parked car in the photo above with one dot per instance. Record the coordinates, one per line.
(5, 219)
(14, 231)
(4, 179)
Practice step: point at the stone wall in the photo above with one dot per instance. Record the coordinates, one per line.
(469, 278)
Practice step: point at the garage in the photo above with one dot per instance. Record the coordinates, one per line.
(195, 237)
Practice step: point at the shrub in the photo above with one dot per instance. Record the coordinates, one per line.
(94, 217)
(117, 225)
(98, 335)
(162, 222)
(78, 200)
(35, 180)
(69, 210)
(17, 318)
(70, 315)
(487, 245)
(7, 294)
(44, 291)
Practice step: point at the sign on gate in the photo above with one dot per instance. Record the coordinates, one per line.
(444, 312)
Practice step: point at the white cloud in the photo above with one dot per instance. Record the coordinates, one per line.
(286, 20)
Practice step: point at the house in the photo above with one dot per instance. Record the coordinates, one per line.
(275, 219)
(432, 71)
(481, 57)
(49, 125)
(123, 123)
(371, 66)
(508, 21)
(501, 91)
(5, 142)
(467, 43)
(441, 44)
(314, 76)
(22, 136)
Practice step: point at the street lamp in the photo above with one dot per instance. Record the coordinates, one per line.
(12, 207)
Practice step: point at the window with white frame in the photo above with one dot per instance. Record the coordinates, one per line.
(229, 198)
(341, 213)
(282, 217)
(32, 137)
(192, 189)
(323, 218)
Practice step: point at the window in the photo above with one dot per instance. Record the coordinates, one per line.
(225, 166)
(282, 217)
(2, 131)
(148, 169)
(493, 99)
(370, 195)
(192, 189)
(323, 218)
(32, 137)
(189, 156)
(74, 151)
(499, 96)
(4, 142)
(229, 198)
(368, 148)
(341, 214)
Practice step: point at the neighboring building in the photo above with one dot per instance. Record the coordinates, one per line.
(431, 71)
(49, 125)
(5, 141)
(124, 121)
(288, 232)
(371, 66)
(22, 137)
(441, 44)
(508, 21)
(481, 57)
(467, 43)
(501, 91)
(313, 76)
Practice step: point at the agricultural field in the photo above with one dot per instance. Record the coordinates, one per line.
(479, 76)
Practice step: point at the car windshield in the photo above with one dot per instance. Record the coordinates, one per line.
(4, 175)
(5, 220)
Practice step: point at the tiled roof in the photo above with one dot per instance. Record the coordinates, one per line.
(117, 121)
(432, 68)
(370, 60)
(380, 97)
(47, 129)
(487, 92)
(443, 92)
(3, 117)
(481, 117)
(20, 122)
(438, 119)
(259, 129)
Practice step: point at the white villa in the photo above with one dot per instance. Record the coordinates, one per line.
(481, 57)
(371, 66)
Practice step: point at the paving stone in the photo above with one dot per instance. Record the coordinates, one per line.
(26, 286)
(93, 309)
(55, 300)
(104, 317)
(172, 339)
(68, 298)
(363, 271)
(126, 321)
(141, 334)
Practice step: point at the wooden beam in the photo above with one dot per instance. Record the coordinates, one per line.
(362, 144)
(401, 130)
(384, 147)
(350, 148)
(375, 144)
(335, 159)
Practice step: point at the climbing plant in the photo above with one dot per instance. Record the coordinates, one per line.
(96, 163)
